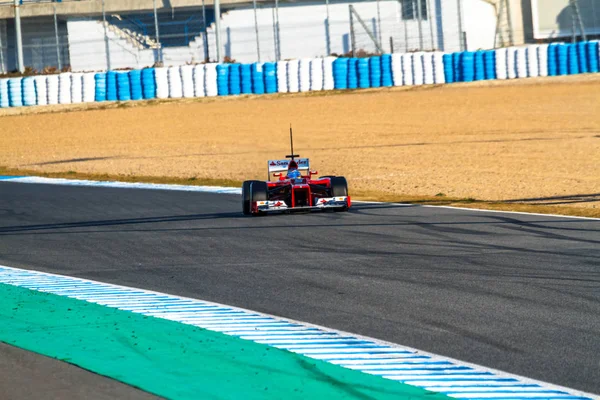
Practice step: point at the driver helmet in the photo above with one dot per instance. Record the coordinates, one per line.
(294, 174)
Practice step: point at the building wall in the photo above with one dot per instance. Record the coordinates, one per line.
(39, 43)
(553, 18)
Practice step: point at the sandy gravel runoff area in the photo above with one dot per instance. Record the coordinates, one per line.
(494, 141)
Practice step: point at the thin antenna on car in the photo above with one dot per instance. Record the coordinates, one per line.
(291, 146)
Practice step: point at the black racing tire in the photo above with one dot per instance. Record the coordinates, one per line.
(339, 186)
(247, 197)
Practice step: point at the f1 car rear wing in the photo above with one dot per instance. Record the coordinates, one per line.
(282, 165)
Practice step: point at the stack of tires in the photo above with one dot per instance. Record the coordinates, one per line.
(148, 83)
(270, 74)
(29, 95)
(100, 92)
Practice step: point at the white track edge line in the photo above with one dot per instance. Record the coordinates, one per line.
(233, 190)
(500, 373)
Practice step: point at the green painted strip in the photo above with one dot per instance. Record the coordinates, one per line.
(175, 360)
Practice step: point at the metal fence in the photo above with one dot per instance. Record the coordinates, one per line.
(111, 37)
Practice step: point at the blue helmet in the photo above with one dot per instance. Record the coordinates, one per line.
(294, 174)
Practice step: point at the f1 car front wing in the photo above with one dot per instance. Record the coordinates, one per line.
(322, 203)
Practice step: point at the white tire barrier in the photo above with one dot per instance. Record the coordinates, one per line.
(53, 87)
(521, 62)
(41, 90)
(316, 74)
(187, 81)
(304, 75)
(533, 69)
(175, 84)
(89, 87)
(199, 90)
(501, 64)
(282, 80)
(511, 63)
(407, 69)
(428, 72)
(542, 51)
(438, 68)
(210, 79)
(328, 82)
(77, 88)
(293, 76)
(64, 88)
(417, 63)
(161, 76)
(397, 75)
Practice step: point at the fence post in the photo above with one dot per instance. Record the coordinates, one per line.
(277, 36)
(204, 29)
(217, 6)
(2, 71)
(352, 37)
(256, 31)
(379, 25)
(106, 44)
(420, 24)
(18, 37)
(460, 29)
(327, 30)
(57, 39)
(157, 35)
(430, 18)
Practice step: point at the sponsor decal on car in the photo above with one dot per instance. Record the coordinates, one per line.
(282, 165)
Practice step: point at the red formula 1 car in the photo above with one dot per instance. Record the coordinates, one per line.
(294, 191)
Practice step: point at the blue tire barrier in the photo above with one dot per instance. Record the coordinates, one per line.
(235, 84)
(222, 79)
(386, 70)
(258, 79)
(592, 56)
(362, 67)
(15, 92)
(148, 83)
(467, 66)
(123, 87)
(270, 74)
(479, 64)
(572, 59)
(4, 102)
(352, 73)
(552, 60)
(340, 73)
(135, 84)
(562, 59)
(111, 86)
(582, 57)
(100, 90)
(448, 68)
(489, 59)
(456, 67)
(29, 94)
(246, 78)
(375, 71)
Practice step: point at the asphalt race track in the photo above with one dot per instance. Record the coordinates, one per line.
(519, 293)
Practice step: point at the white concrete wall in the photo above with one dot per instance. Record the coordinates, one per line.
(88, 48)
(479, 24)
(302, 33)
